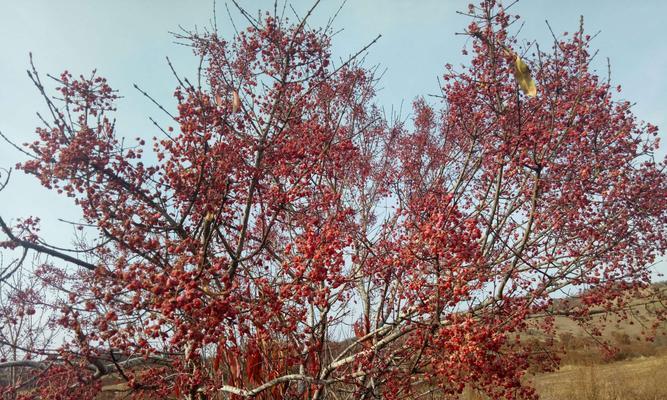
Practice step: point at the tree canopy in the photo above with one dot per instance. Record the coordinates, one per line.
(286, 239)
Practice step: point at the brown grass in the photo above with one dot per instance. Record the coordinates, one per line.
(643, 378)
(638, 379)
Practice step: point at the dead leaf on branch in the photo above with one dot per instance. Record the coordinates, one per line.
(523, 78)
(236, 101)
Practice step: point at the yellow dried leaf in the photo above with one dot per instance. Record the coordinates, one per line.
(523, 78)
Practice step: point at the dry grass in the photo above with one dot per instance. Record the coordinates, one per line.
(643, 378)
(637, 379)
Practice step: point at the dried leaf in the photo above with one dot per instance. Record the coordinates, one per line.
(253, 368)
(236, 101)
(523, 78)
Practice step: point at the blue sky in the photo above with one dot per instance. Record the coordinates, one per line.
(127, 41)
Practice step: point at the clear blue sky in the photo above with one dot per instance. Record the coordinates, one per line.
(127, 41)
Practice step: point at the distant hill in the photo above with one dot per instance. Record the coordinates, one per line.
(639, 330)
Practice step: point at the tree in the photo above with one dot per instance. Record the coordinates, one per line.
(285, 240)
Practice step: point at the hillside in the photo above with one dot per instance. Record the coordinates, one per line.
(618, 364)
